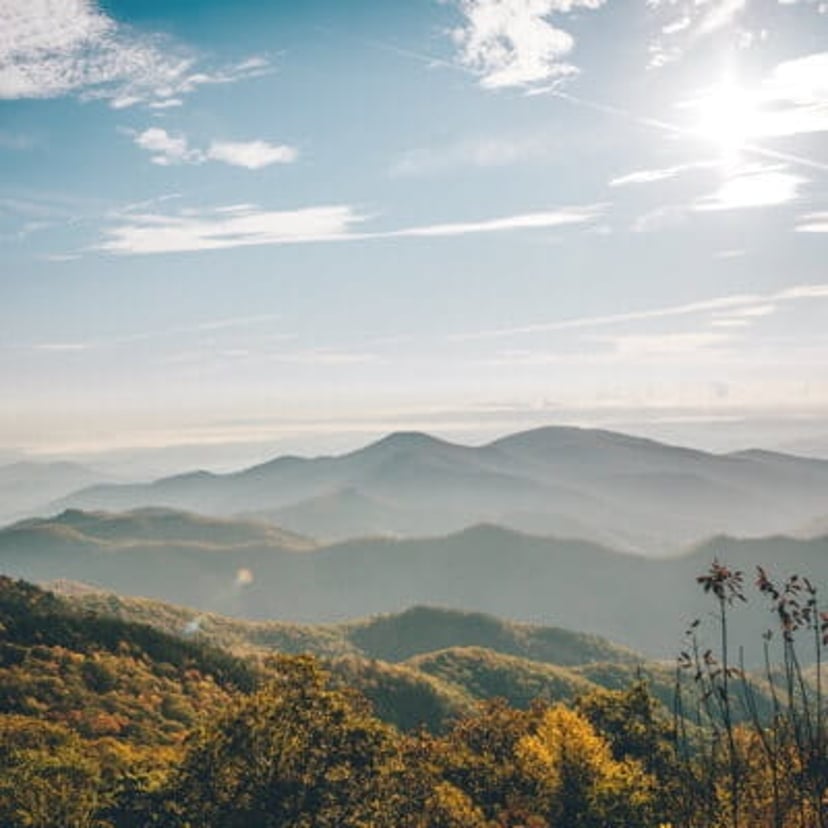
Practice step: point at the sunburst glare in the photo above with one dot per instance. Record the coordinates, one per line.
(729, 116)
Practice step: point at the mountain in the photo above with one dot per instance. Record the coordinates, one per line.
(423, 665)
(626, 492)
(159, 525)
(394, 638)
(636, 601)
(107, 643)
(27, 486)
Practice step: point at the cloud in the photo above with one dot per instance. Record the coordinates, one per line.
(175, 149)
(251, 154)
(813, 223)
(62, 347)
(484, 152)
(244, 225)
(166, 148)
(556, 218)
(791, 100)
(660, 218)
(660, 174)
(795, 96)
(212, 328)
(743, 305)
(755, 187)
(512, 43)
(240, 226)
(51, 48)
(669, 345)
(323, 357)
(682, 25)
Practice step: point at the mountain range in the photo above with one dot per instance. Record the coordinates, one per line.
(627, 492)
(249, 569)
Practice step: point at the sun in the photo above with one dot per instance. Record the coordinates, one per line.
(728, 116)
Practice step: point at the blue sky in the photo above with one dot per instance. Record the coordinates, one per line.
(257, 223)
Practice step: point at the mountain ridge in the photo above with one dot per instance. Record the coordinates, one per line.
(642, 494)
(563, 582)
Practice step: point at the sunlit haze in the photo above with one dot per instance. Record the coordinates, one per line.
(233, 229)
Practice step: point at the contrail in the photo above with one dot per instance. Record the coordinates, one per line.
(607, 109)
(665, 126)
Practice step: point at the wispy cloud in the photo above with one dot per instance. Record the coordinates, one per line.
(658, 174)
(332, 357)
(754, 187)
(682, 25)
(613, 349)
(141, 233)
(513, 43)
(666, 345)
(208, 327)
(245, 225)
(813, 223)
(482, 152)
(168, 149)
(743, 305)
(535, 221)
(63, 347)
(49, 49)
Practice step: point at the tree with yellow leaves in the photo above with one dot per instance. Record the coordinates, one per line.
(581, 785)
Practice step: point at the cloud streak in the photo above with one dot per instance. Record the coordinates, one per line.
(246, 225)
(209, 327)
(742, 305)
(813, 223)
(659, 174)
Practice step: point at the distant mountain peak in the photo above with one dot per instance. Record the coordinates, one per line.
(409, 438)
(404, 441)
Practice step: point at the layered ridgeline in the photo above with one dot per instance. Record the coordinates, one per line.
(625, 492)
(253, 570)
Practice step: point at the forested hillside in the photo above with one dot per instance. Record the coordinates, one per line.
(109, 722)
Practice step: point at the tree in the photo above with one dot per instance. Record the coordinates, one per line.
(295, 754)
(581, 785)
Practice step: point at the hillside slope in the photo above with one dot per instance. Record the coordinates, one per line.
(639, 602)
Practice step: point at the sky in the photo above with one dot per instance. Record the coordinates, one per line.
(241, 227)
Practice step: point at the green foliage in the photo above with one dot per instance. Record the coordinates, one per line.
(483, 674)
(401, 695)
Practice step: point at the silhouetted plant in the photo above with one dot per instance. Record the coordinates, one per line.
(774, 761)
